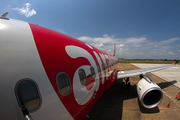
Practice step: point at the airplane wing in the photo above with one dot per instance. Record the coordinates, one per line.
(149, 93)
(125, 74)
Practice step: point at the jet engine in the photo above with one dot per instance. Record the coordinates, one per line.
(150, 94)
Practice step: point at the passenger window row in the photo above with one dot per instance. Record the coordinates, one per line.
(28, 95)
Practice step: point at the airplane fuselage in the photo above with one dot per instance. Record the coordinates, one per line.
(68, 75)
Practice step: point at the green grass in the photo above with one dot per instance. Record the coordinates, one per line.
(147, 62)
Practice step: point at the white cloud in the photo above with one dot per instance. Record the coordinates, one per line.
(137, 46)
(106, 43)
(171, 53)
(26, 11)
(105, 35)
(105, 39)
(169, 41)
(163, 45)
(121, 45)
(136, 40)
(133, 47)
(99, 45)
(178, 50)
(85, 38)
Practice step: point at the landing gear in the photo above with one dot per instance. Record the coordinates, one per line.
(126, 83)
(123, 85)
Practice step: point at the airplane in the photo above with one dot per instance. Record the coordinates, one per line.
(48, 75)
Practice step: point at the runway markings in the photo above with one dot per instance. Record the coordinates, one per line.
(166, 94)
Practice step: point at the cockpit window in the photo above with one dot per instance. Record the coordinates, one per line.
(63, 83)
(82, 76)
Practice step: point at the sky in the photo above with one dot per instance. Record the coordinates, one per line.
(141, 29)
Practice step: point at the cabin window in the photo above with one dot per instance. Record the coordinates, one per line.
(82, 76)
(63, 83)
(99, 70)
(28, 95)
(106, 66)
(102, 66)
(92, 72)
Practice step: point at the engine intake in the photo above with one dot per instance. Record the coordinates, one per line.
(150, 94)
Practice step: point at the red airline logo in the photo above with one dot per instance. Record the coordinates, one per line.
(61, 53)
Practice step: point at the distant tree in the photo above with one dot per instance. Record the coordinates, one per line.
(165, 59)
(177, 61)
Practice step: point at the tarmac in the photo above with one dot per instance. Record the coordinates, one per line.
(169, 74)
(123, 104)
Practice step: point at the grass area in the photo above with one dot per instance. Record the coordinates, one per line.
(150, 62)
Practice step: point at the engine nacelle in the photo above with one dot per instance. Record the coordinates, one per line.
(150, 94)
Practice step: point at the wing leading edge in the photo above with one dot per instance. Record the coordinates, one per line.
(131, 73)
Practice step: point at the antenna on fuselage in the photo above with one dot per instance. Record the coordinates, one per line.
(4, 16)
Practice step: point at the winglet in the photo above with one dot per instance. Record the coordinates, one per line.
(114, 49)
(4, 16)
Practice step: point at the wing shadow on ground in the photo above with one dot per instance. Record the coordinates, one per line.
(110, 104)
(166, 84)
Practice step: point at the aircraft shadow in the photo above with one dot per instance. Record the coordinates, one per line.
(166, 84)
(145, 110)
(110, 104)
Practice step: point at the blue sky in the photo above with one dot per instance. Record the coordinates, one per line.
(140, 28)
